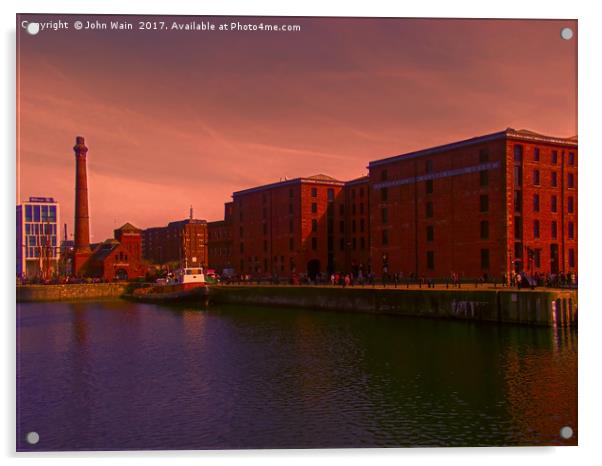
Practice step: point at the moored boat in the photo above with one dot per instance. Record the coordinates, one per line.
(186, 284)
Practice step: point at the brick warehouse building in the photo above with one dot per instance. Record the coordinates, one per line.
(492, 204)
(219, 234)
(184, 240)
(288, 227)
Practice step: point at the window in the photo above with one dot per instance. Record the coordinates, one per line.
(353, 226)
(314, 225)
(483, 155)
(554, 179)
(384, 194)
(330, 194)
(554, 204)
(314, 208)
(571, 258)
(314, 192)
(384, 175)
(571, 158)
(429, 209)
(571, 228)
(28, 213)
(570, 180)
(362, 243)
(290, 193)
(341, 209)
(429, 186)
(36, 213)
(242, 247)
(535, 202)
(518, 175)
(518, 153)
(352, 209)
(518, 250)
(484, 258)
(536, 179)
(428, 166)
(291, 226)
(354, 243)
(362, 225)
(353, 194)
(554, 157)
(265, 245)
(554, 230)
(291, 244)
(536, 154)
(430, 233)
(484, 229)
(384, 215)
(518, 228)
(484, 203)
(570, 205)
(430, 260)
(518, 201)
(361, 208)
(483, 178)
(385, 237)
(362, 193)
(242, 232)
(537, 257)
(314, 243)
(342, 244)
(535, 228)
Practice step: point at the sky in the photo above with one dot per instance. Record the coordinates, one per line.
(179, 118)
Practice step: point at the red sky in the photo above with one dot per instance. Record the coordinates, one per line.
(178, 118)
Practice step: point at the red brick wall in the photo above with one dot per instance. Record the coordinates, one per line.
(456, 217)
(356, 236)
(545, 216)
(274, 225)
(220, 245)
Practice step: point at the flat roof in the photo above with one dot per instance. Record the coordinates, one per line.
(508, 133)
(316, 179)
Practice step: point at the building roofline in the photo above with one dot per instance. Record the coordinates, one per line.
(294, 181)
(360, 180)
(508, 133)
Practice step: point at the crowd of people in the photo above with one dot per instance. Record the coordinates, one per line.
(518, 280)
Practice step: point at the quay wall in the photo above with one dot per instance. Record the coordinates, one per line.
(528, 307)
(70, 292)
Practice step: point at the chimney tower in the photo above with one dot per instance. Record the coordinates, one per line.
(82, 222)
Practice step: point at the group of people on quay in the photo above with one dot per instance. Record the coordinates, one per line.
(396, 280)
(361, 278)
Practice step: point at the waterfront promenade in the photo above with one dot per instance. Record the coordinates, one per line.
(481, 302)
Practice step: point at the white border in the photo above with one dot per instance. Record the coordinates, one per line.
(590, 105)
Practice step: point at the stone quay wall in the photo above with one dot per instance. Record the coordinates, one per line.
(70, 292)
(529, 307)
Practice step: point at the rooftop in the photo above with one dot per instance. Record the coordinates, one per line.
(315, 179)
(508, 133)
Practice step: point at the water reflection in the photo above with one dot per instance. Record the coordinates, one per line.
(120, 375)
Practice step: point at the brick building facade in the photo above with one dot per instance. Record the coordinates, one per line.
(119, 258)
(219, 234)
(490, 205)
(178, 242)
(288, 227)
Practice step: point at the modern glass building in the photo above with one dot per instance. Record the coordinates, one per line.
(38, 238)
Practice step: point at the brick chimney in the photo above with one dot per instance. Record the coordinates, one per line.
(82, 222)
